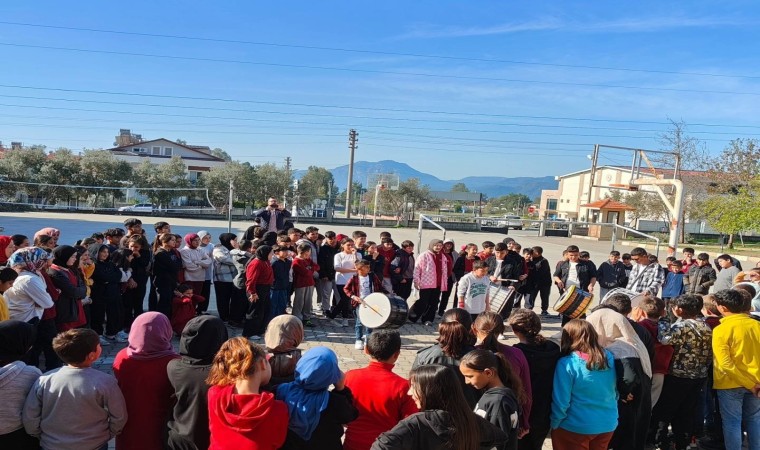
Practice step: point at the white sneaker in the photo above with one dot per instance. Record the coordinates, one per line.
(104, 342)
(254, 338)
(122, 335)
(359, 344)
(344, 324)
(503, 337)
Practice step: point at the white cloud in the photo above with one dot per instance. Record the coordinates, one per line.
(624, 25)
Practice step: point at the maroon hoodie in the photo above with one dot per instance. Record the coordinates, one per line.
(245, 421)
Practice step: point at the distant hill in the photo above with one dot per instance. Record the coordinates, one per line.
(491, 186)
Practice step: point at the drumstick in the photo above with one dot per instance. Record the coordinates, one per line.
(361, 300)
(507, 279)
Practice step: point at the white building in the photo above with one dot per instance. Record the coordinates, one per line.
(134, 150)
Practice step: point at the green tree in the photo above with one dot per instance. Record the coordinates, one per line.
(162, 182)
(316, 184)
(510, 202)
(217, 180)
(409, 191)
(102, 168)
(459, 187)
(219, 153)
(22, 165)
(731, 205)
(61, 167)
(271, 181)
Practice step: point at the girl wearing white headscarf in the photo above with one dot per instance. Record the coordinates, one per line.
(634, 377)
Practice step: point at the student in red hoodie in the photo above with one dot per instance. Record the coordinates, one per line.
(241, 417)
(303, 283)
(381, 397)
(183, 307)
(259, 279)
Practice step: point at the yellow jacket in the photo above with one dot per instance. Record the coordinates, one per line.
(4, 315)
(736, 346)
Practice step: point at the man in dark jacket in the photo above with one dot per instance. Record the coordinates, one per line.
(611, 274)
(272, 217)
(575, 272)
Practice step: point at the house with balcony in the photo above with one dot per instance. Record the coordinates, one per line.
(134, 150)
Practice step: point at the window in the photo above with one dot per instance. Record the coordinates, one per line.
(551, 204)
(168, 151)
(139, 150)
(156, 151)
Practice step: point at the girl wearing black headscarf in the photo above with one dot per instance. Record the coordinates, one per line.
(259, 280)
(16, 379)
(224, 273)
(188, 422)
(69, 310)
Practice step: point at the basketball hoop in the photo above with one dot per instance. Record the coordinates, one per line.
(626, 187)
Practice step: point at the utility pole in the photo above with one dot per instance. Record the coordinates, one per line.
(287, 183)
(352, 139)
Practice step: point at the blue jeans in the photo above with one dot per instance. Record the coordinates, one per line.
(359, 329)
(279, 300)
(737, 405)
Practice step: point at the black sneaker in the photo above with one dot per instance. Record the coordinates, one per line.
(544, 313)
(309, 324)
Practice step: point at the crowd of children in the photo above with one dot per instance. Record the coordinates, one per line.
(676, 367)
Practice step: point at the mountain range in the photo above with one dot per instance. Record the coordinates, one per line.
(491, 186)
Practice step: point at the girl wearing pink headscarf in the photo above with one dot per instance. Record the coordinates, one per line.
(141, 371)
(54, 234)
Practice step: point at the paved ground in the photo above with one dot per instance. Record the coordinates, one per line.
(341, 340)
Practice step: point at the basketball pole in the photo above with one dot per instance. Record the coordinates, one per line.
(378, 188)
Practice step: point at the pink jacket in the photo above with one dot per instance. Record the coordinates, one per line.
(424, 272)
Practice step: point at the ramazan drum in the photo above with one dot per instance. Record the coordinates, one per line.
(574, 302)
(382, 311)
(500, 298)
(635, 297)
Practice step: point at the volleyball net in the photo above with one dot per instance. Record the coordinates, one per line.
(104, 198)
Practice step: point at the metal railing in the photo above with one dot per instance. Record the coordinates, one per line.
(419, 231)
(633, 231)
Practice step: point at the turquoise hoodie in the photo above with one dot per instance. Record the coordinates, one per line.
(584, 401)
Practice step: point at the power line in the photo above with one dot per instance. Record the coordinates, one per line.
(374, 71)
(377, 52)
(381, 127)
(421, 111)
(399, 119)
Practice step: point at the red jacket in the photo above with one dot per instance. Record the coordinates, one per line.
(183, 309)
(245, 421)
(258, 272)
(303, 272)
(389, 255)
(662, 353)
(382, 399)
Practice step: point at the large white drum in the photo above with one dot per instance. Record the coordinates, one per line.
(635, 297)
(382, 311)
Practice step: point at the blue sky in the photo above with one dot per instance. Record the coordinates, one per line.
(513, 89)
